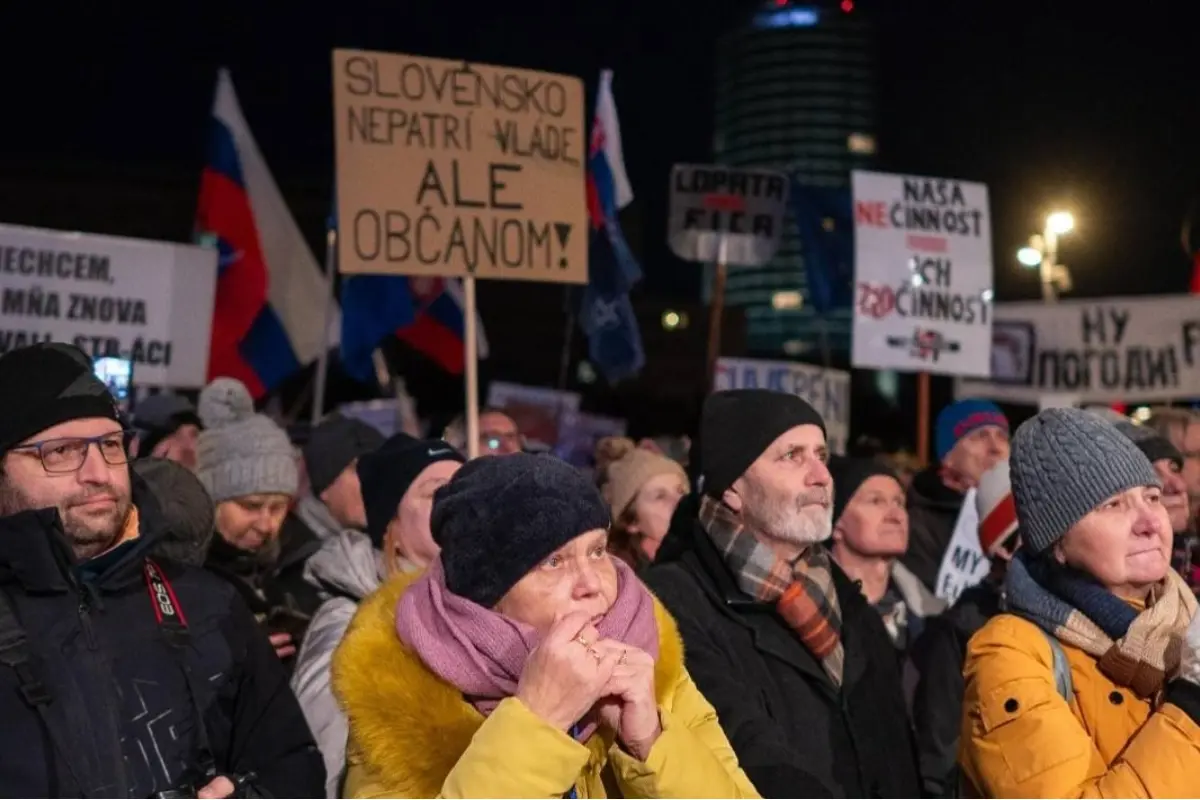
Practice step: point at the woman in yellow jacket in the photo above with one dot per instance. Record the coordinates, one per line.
(526, 662)
(1090, 685)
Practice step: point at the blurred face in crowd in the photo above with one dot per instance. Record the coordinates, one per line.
(976, 453)
(1174, 493)
(498, 435)
(785, 494)
(1124, 543)
(87, 481)
(344, 500)
(408, 533)
(180, 446)
(579, 576)
(651, 511)
(875, 521)
(253, 522)
(1189, 445)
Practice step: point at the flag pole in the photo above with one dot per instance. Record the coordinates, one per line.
(717, 307)
(318, 406)
(471, 366)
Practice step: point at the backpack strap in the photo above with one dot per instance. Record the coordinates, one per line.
(14, 654)
(1062, 667)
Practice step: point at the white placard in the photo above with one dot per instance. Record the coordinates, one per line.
(923, 274)
(110, 296)
(826, 390)
(965, 563)
(1118, 349)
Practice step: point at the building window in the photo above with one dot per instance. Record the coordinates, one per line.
(863, 143)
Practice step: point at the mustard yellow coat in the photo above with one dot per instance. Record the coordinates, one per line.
(1020, 738)
(412, 735)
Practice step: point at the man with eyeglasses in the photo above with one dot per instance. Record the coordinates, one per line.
(121, 675)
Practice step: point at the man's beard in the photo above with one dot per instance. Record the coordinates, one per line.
(88, 534)
(787, 520)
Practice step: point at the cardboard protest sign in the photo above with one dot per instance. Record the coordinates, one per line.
(923, 274)
(826, 390)
(740, 208)
(964, 564)
(1123, 349)
(151, 302)
(452, 169)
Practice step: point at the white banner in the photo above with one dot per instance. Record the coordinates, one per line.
(923, 274)
(826, 390)
(965, 563)
(148, 301)
(1122, 349)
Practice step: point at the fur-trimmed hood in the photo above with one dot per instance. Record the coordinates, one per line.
(410, 726)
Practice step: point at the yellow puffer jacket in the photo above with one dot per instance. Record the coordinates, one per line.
(412, 734)
(1020, 738)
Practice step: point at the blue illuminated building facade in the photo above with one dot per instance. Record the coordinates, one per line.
(795, 91)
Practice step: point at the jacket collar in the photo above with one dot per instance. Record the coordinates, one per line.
(35, 552)
(410, 726)
(770, 633)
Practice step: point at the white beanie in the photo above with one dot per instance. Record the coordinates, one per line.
(997, 512)
(239, 452)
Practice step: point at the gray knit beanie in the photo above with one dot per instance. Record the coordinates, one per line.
(1065, 462)
(240, 452)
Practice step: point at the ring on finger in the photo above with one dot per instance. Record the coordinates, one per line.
(586, 644)
(594, 653)
(621, 660)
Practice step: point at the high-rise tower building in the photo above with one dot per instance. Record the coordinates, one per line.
(796, 86)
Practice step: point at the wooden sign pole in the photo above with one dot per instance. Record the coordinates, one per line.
(923, 417)
(471, 366)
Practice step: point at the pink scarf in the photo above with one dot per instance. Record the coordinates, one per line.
(482, 653)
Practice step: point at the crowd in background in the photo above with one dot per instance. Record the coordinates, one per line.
(191, 601)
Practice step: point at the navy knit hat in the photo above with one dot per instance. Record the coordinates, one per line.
(387, 472)
(498, 518)
(335, 443)
(959, 419)
(850, 473)
(45, 385)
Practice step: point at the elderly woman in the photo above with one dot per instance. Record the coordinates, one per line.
(526, 662)
(1089, 684)
(642, 490)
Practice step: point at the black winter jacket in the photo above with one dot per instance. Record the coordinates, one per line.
(794, 732)
(933, 509)
(122, 720)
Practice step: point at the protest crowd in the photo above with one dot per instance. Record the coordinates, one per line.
(200, 597)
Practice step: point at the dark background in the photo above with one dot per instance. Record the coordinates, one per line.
(1078, 105)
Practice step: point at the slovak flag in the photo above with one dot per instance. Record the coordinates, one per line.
(271, 294)
(606, 316)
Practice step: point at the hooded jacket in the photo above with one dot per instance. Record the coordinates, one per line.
(122, 718)
(346, 569)
(413, 735)
(933, 509)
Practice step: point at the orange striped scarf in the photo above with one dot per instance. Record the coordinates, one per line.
(802, 591)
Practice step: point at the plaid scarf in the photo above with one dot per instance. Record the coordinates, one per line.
(802, 591)
(1139, 650)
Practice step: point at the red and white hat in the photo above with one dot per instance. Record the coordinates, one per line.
(997, 512)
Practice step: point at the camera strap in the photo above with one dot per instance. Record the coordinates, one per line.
(173, 625)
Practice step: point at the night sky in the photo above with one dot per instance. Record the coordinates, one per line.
(1049, 103)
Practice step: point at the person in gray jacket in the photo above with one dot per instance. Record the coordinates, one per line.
(398, 481)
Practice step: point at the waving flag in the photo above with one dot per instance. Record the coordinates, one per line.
(826, 226)
(271, 294)
(614, 340)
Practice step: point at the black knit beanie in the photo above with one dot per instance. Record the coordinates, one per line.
(335, 443)
(500, 517)
(849, 474)
(160, 416)
(387, 472)
(737, 426)
(44, 385)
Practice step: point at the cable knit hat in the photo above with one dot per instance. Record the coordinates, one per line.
(240, 452)
(628, 474)
(498, 518)
(1065, 462)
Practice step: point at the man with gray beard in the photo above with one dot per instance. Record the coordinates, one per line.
(799, 667)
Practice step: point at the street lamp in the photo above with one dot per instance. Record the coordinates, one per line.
(1042, 252)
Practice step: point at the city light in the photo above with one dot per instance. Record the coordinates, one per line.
(787, 18)
(847, 6)
(1141, 414)
(787, 301)
(670, 320)
(1030, 256)
(1060, 222)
